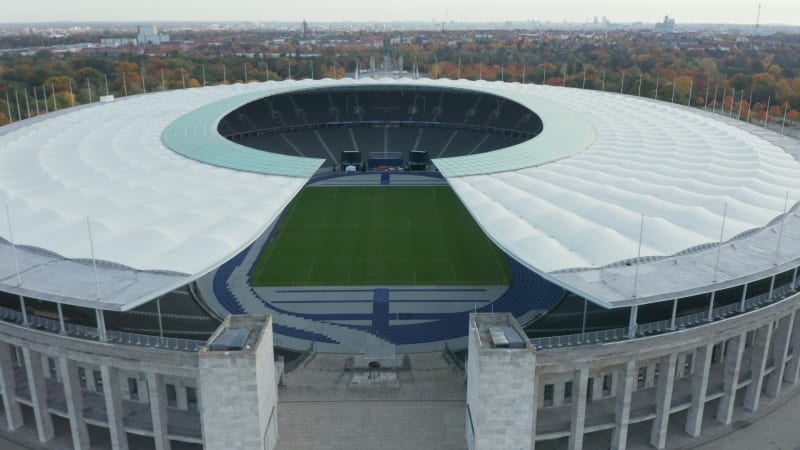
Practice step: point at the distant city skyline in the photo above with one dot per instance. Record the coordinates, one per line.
(624, 11)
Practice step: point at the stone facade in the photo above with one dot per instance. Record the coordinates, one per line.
(240, 392)
(146, 391)
(739, 363)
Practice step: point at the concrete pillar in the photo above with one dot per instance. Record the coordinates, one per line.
(771, 288)
(24, 309)
(730, 377)
(558, 393)
(157, 391)
(38, 391)
(73, 397)
(8, 384)
(632, 318)
(182, 402)
(792, 373)
(743, 299)
(780, 351)
(702, 365)
(61, 326)
(100, 318)
(666, 379)
(622, 410)
(580, 383)
(710, 312)
(114, 411)
(758, 363)
(674, 314)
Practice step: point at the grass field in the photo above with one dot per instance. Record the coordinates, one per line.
(382, 235)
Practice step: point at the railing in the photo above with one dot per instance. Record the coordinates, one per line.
(662, 326)
(118, 337)
(450, 356)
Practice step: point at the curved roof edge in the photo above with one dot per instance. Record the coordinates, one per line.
(194, 135)
(46, 276)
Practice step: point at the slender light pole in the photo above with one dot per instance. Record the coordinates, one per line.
(719, 246)
(94, 260)
(714, 104)
(705, 100)
(780, 234)
(741, 98)
(658, 76)
(766, 115)
(144, 88)
(638, 255)
(19, 110)
(691, 87)
(583, 85)
(44, 96)
(36, 100)
(8, 105)
(27, 104)
(203, 67)
(71, 97)
(750, 106)
(13, 246)
(183, 79)
(622, 84)
(603, 86)
(55, 103)
(674, 84)
(89, 85)
(124, 85)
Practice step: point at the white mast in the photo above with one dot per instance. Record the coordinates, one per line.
(13, 246)
(94, 261)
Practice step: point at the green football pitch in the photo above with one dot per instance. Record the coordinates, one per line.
(382, 235)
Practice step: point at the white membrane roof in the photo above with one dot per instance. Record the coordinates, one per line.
(168, 199)
(158, 220)
(665, 172)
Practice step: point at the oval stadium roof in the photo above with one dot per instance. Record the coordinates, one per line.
(168, 199)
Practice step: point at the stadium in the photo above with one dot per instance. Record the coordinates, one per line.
(602, 270)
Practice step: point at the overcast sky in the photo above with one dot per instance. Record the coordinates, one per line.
(716, 11)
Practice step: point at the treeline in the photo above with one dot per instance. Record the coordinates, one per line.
(754, 77)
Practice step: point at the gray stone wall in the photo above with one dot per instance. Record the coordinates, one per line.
(239, 395)
(500, 394)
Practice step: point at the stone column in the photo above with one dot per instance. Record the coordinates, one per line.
(157, 391)
(8, 384)
(758, 363)
(181, 400)
(74, 399)
(730, 377)
(580, 383)
(664, 386)
(622, 407)
(114, 411)
(38, 391)
(780, 352)
(702, 365)
(793, 368)
(558, 393)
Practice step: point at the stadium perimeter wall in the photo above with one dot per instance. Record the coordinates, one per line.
(719, 372)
